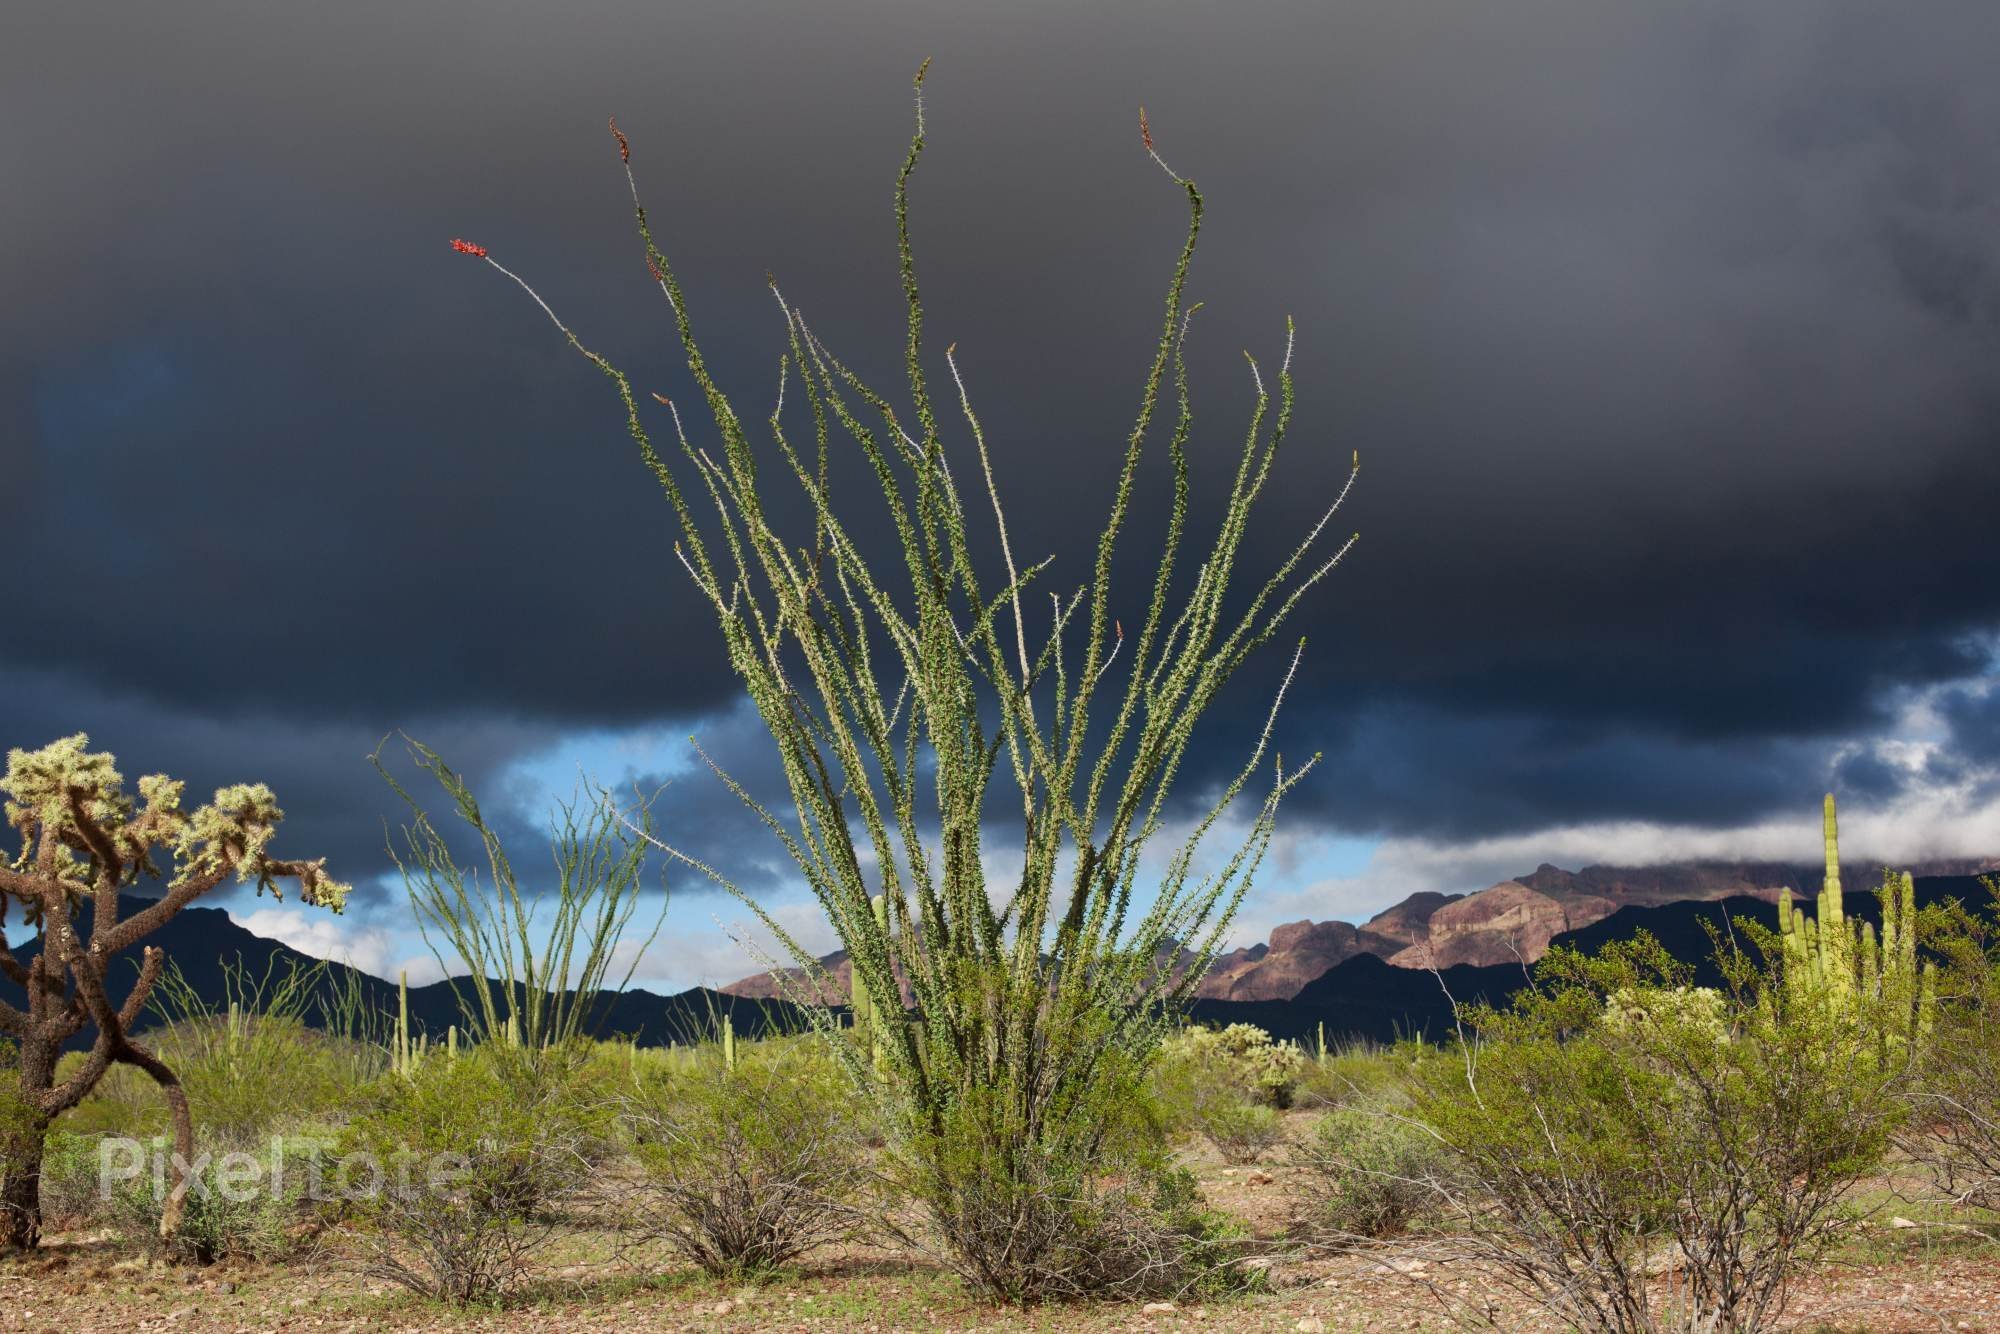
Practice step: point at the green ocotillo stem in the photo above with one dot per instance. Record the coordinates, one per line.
(880, 905)
(403, 1022)
(858, 1001)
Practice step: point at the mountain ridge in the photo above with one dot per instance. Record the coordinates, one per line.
(1511, 922)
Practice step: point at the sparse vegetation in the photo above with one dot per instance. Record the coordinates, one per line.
(747, 1165)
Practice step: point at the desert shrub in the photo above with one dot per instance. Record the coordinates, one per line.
(1226, 1085)
(236, 1206)
(747, 1167)
(1242, 1132)
(252, 1065)
(1355, 1071)
(452, 1172)
(1089, 1207)
(1616, 1123)
(1955, 1132)
(69, 1180)
(1366, 1171)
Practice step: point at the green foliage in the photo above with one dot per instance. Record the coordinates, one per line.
(1360, 1071)
(749, 1163)
(878, 680)
(1955, 1132)
(1242, 1057)
(69, 1180)
(1614, 1111)
(467, 1159)
(1367, 1171)
(252, 1064)
(263, 1218)
(1227, 1085)
(1086, 1205)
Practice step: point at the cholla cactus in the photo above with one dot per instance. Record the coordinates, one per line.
(84, 838)
(1839, 969)
(1633, 1010)
(1247, 1055)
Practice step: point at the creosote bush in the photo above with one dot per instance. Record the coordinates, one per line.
(1955, 1130)
(1090, 1208)
(747, 1166)
(460, 1166)
(267, 1220)
(1366, 1171)
(896, 691)
(1634, 1158)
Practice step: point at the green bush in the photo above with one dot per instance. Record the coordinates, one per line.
(1242, 1132)
(1955, 1134)
(1616, 1115)
(1367, 1172)
(1087, 1205)
(453, 1172)
(1358, 1073)
(748, 1167)
(1227, 1086)
(69, 1180)
(257, 1214)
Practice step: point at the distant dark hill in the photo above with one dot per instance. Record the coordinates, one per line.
(1364, 997)
(203, 941)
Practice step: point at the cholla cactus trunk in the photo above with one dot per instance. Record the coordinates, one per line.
(1024, 989)
(83, 838)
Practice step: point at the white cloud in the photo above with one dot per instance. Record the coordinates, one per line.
(372, 949)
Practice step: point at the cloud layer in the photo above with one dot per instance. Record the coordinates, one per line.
(1670, 337)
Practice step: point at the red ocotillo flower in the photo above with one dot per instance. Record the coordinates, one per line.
(468, 248)
(624, 147)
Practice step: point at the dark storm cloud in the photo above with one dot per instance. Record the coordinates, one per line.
(1668, 335)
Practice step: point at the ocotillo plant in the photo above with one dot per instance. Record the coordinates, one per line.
(1839, 968)
(527, 983)
(873, 689)
(84, 839)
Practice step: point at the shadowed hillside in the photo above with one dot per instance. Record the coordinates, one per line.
(202, 941)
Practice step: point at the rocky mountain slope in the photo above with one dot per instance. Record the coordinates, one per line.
(1510, 923)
